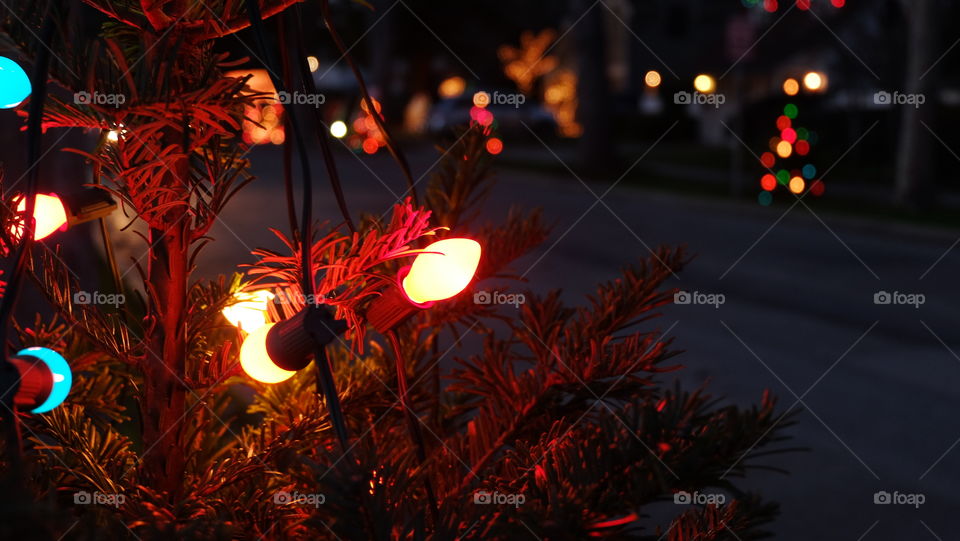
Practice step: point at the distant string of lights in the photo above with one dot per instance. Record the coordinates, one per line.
(772, 6)
(792, 141)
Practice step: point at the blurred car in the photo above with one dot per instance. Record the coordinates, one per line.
(448, 113)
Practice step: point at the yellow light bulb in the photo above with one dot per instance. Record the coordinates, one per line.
(704, 84)
(49, 214)
(443, 270)
(338, 129)
(256, 362)
(813, 81)
(249, 312)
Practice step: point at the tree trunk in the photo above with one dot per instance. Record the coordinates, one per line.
(915, 168)
(593, 110)
(163, 403)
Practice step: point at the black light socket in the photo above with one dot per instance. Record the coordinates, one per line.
(291, 343)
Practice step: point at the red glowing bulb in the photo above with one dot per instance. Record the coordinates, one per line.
(442, 270)
(49, 214)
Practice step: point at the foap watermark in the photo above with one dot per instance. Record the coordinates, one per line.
(299, 299)
(297, 498)
(898, 98)
(909, 299)
(505, 98)
(300, 98)
(95, 297)
(99, 98)
(696, 98)
(696, 297)
(98, 498)
(482, 497)
(698, 498)
(898, 498)
(497, 297)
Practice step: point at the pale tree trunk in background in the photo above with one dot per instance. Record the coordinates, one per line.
(915, 168)
(382, 51)
(593, 94)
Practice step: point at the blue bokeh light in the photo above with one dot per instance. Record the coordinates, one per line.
(62, 376)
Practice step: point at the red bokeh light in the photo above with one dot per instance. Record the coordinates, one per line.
(767, 160)
(783, 122)
(817, 187)
(802, 148)
(768, 182)
(494, 146)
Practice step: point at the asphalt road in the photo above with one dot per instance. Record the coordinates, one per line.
(875, 384)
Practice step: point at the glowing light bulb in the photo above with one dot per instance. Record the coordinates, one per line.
(813, 81)
(652, 79)
(14, 84)
(442, 270)
(704, 84)
(60, 372)
(250, 311)
(255, 360)
(49, 214)
(338, 129)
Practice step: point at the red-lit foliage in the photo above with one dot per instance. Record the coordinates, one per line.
(563, 404)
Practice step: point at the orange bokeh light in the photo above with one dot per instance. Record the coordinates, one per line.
(494, 146)
(442, 270)
(791, 87)
(784, 149)
(797, 185)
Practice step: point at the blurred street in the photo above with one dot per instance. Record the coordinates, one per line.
(874, 384)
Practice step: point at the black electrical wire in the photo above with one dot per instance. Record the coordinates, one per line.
(38, 83)
(391, 144)
(322, 134)
(288, 141)
(306, 240)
